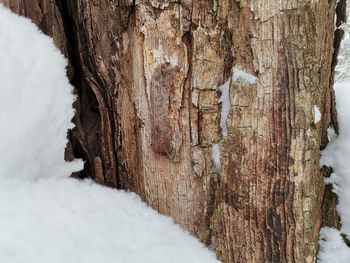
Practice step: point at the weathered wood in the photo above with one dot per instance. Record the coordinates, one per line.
(147, 75)
(269, 203)
(330, 216)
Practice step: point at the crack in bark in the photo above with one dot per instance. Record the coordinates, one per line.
(330, 216)
(338, 36)
(85, 98)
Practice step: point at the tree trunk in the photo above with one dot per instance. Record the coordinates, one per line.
(147, 76)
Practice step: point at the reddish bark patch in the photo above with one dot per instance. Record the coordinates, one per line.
(162, 89)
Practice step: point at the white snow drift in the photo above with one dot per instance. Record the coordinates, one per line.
(35, 102)
(46, 217)
(59, 220)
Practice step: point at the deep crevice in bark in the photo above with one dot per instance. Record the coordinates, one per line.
(330, 199)
(338, 36)
(330, 216)
(87, 116)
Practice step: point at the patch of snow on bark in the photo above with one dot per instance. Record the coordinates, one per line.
(317, 114)
(243, 76)
(225, 105)
(216, 155)
(225, 95)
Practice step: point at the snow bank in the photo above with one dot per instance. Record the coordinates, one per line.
(46, 217)
(64, 220)
(332, 247)
(35, 102)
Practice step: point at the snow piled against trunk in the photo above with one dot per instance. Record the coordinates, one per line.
(46, 216)
(333, 249)
(337, 155)
(66, 220)
(35, 102)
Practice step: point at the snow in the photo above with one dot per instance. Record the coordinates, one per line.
(332, 247)
(225, 105)
(331, 134)
(337, 155)
(46, 216)
(343, 68)
(215, 153)
(33, 80)
(317, 114)
(225, 95)
(66, 220)
(243, 76)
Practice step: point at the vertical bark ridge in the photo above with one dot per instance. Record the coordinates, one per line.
(292, 80)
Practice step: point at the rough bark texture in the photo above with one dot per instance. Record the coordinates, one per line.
(147, 74)
(330, 216)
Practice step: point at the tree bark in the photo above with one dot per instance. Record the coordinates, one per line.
(147, 75)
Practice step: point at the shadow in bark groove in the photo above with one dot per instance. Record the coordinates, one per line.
(84, 138)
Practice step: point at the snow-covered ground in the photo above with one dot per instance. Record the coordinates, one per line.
(46, 217)
(64, 220)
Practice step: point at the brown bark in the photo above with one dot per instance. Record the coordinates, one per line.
(147, 75)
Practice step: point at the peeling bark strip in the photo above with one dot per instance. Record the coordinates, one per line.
(148, 73)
